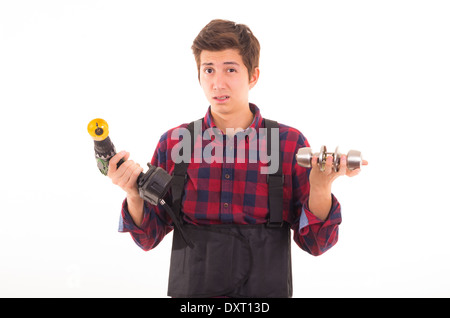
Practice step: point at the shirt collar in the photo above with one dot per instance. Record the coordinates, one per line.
(256, 123)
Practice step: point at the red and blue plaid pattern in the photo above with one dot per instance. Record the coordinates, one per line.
(223, 189)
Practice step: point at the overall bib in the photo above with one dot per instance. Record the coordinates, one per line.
(232, 260)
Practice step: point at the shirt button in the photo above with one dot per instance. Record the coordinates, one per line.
(227, 176)
(225, 205)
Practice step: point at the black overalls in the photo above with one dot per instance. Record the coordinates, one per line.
(232, 260)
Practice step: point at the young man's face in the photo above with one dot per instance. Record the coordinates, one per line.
(225, 82)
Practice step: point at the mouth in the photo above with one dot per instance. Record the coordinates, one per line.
(221, 98)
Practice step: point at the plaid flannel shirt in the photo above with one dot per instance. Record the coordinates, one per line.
(233, 190)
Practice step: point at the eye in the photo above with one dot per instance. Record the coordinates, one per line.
(231, 70)
(208, 70)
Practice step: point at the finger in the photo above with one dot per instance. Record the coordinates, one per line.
(314, 165)
(121, 173)
(124, 173)
(365, 162)
(328, 165)
(343, 165)
(135, 172)
(114, 160)
(352, 173)
(131, 187)
(122, 170)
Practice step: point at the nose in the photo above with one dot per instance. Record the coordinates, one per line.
(219, 82)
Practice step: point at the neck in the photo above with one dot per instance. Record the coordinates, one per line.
(235, 121)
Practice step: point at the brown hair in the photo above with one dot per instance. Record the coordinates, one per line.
(219, 35)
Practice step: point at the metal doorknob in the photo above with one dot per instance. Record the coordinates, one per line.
(304, 157)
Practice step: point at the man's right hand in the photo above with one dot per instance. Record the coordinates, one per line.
(126, 175)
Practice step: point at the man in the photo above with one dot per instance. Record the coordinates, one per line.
(238, 218)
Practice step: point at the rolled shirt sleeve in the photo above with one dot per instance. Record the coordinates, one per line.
(314, 235)
(152, 230)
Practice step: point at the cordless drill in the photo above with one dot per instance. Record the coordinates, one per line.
(152, 186)
(104, 148)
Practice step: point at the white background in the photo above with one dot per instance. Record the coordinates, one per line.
(365, 75)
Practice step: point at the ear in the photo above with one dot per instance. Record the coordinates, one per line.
(254, 78)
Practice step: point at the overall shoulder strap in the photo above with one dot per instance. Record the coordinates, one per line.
(275, 182)
(179, 173)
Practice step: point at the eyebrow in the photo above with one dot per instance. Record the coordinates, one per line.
(225, 63)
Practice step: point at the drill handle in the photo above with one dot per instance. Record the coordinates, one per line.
(120, 163)
(141, 175)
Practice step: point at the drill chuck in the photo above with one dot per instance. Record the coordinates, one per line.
(98, 129)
